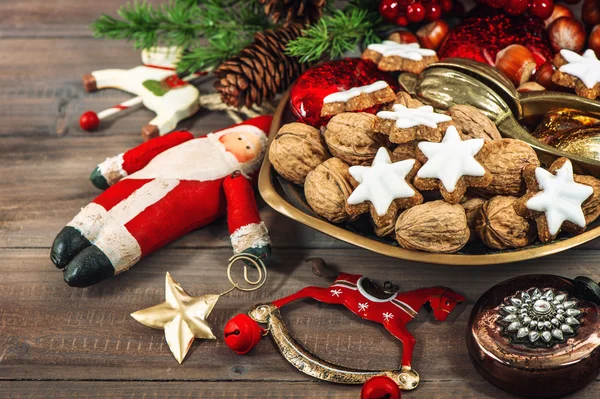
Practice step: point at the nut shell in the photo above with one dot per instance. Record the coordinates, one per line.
(473, 123)
(499, 226)
(435, 226)
(327, 189)
(296, 150)
(351, 137)
(505, 159)
(472, 206)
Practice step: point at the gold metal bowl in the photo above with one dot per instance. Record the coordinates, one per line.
(501, 103)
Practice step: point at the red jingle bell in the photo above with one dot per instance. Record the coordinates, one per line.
(242, 334)
(380, 387)
(89, 121)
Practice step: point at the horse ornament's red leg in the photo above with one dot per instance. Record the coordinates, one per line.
(317, 293)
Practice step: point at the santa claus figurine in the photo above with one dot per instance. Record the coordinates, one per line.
(161, 190)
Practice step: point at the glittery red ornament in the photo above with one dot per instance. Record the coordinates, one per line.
(488, 31)
(307, 94)
(516, 7)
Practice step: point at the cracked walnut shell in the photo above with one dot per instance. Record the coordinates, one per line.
(435, 226)
(327, 189)
(351, 137)
(499, 226)
(473, 123)
(296, 150)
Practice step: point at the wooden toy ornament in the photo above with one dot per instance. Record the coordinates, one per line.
(183, 317)
(362, 297)
(161, 190)
(157, 87)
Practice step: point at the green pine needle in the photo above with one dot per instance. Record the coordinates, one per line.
(335, 34)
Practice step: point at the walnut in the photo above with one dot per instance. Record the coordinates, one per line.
(350, 137)
(327, 189)
(472, 206)
(296, 150)
(591, 206)
(505, 159)
(473, 123)
(435, 226)
(499, 226)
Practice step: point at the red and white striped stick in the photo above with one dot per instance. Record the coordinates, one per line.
(90, 120)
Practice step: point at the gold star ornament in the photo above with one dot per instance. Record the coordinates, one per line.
(183, 317)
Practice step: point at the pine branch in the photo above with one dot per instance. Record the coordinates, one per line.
(335, 34)
(227, 24)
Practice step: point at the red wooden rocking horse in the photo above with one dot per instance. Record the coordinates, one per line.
(363, 298)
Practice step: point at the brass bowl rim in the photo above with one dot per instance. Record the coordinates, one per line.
(277, 202)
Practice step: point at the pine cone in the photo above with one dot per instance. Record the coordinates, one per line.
(303, 11)
(261, 70)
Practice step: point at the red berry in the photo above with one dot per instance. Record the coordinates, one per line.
(446, 5)
(402, 20)
(516, 7)
(389, 9)
(415, 12)
(434, 12)
(497, 3)
(541, 8)
(89, 121)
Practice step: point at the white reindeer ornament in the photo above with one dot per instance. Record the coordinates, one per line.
(157, 86)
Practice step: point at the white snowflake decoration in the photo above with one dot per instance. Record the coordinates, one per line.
(585, 67)
(561, 198)
(336, 293)
(363, 307)
(411, 117)
(382, 182)
(451, 159)
(410, 51)
(387, 316)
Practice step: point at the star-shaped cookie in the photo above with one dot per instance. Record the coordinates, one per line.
(392, 56)
(554, 199)
(408, 119)
(183, 317)
(384, 189)
(451, 166)
(581, 72)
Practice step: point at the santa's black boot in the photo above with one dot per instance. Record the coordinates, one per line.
(67, 244)
(89, 267)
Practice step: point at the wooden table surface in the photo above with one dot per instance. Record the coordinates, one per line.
(57, 341)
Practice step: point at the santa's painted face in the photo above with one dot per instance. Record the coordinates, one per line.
(244, 146)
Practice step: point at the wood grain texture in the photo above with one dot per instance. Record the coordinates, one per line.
(61, 342)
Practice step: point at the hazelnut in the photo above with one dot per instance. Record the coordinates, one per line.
(543, 75)
(530, 86)
(296, 150)
(433, 34)
(590, 12)
(567, 33)
(517, 63)
(594, 40)
(559, 12)
(403, 37)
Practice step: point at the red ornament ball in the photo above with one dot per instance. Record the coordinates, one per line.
(516, 7)
(497, 3)
(307, 94)
(433, 12)
(415, 12)
(541, 8)
(380, 387)
(389, 9)
(89, 121)
(242, 334)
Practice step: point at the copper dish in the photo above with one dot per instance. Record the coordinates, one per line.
(481, 86)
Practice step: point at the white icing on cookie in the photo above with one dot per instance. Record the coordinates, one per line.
(561, 198)
(346, 95)
(585, 67)
(411, 117)
(382, 182)
(451, 159)
(410, 51)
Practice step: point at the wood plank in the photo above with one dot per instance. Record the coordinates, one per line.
(50, 331)
(65, 18)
